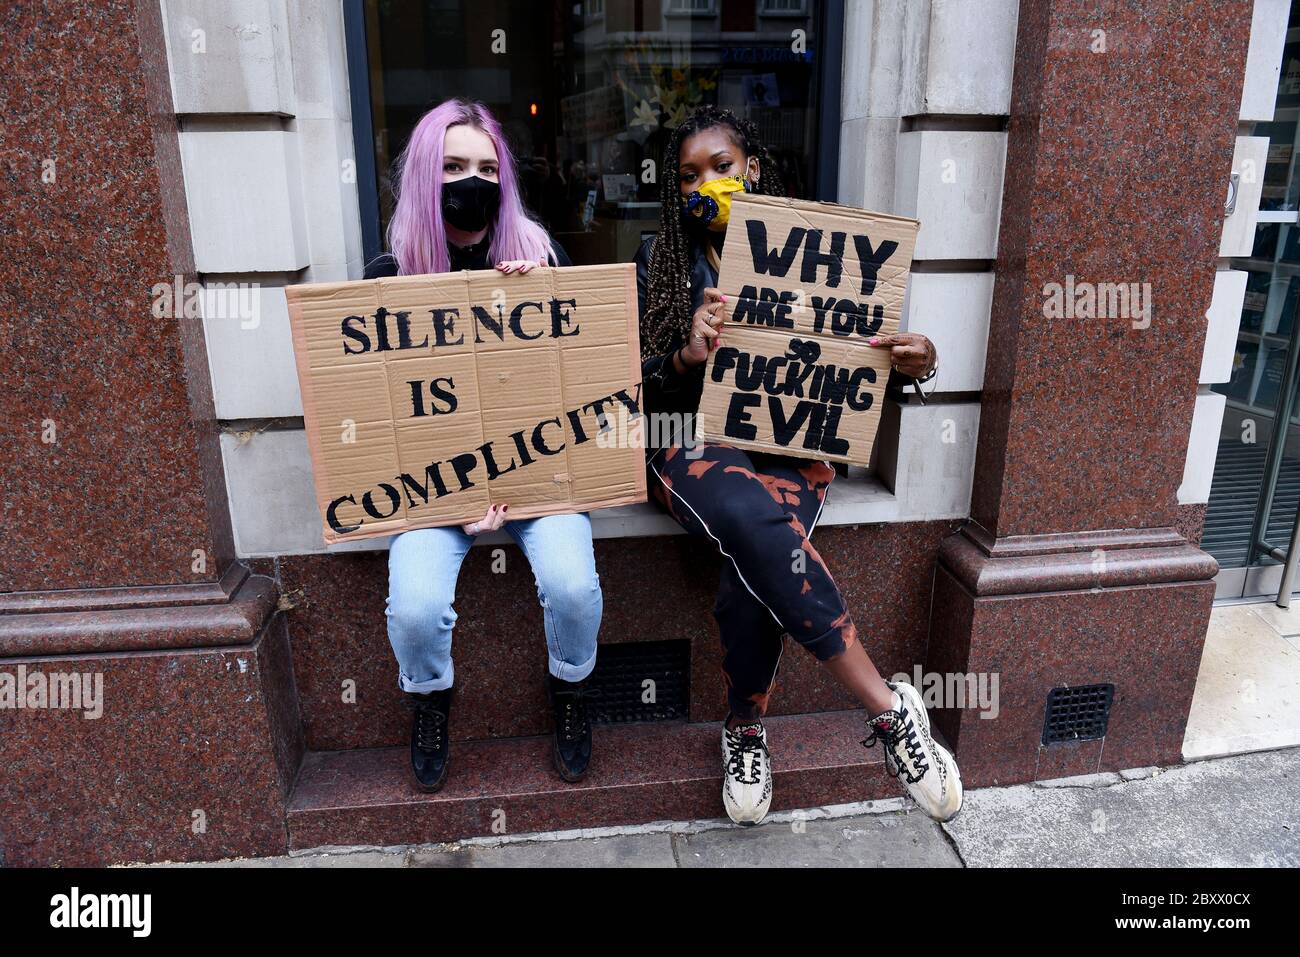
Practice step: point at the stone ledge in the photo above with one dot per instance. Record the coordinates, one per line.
(852, 501)
(1029, 564)
(639, 773)
(139, 619)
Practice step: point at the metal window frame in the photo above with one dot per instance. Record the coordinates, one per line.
(363, 126)
(669, 10)
(830, 30)
(765, 9)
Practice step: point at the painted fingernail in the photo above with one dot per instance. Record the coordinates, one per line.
(873, 342)
(724, 298)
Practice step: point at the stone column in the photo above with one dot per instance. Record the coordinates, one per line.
(117, 567)
(1071, 571)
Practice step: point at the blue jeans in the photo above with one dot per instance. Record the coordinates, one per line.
(423, 565)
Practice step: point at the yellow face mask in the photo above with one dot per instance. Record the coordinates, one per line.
(710, 205)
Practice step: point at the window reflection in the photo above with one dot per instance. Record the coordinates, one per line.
(589, 91)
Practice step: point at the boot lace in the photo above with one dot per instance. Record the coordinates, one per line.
(574, 721)
(896, 733)
(430, 724)
(741, 745)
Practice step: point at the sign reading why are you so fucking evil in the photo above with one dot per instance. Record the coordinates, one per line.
(807, 285)
(428, 398)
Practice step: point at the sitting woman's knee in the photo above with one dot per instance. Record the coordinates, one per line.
(421, 610)
(572, 593)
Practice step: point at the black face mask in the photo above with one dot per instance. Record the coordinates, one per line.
(470, 203)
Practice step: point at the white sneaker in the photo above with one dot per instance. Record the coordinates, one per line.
(746, 773)
(926, 768)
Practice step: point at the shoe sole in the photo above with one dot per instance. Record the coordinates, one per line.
(917, 706)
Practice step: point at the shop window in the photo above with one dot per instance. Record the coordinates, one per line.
(692, 8)
(589, 91)
(783, 8)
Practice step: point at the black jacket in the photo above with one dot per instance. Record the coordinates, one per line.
(662, 388)
(467, 257)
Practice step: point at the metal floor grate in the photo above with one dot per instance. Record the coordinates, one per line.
(1077, 714)
(629, 673)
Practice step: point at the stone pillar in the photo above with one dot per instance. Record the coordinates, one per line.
(117, 567)
(1071, 571)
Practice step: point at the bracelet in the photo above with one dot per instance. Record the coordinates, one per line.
(916, 383)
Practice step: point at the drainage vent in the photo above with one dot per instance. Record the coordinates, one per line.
(1077, 714)
(641, 681)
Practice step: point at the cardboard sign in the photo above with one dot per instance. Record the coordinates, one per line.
(807, 284)
(428, 398)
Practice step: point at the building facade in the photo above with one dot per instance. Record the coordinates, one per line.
(1038, 518)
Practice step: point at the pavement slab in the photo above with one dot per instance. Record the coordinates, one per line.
(1240, 811)
(1234, 812)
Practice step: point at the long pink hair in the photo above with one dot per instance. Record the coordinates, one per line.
(417, 237)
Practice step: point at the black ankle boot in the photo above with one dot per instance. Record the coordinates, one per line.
(572, 726)
(430, 748)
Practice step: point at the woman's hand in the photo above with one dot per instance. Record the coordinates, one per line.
(494, 519)
(706, 328)
(520, 266)
(909, 352)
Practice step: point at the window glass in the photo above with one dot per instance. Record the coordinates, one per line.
(588, 92)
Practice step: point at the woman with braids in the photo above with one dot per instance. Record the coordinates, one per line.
(758, 509)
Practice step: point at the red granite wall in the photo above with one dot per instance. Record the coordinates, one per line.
(1077, 568)
(116, 557)
(1117, 163)
(93, 213)
(655, 588)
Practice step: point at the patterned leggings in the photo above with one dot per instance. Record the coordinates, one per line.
(759, 510)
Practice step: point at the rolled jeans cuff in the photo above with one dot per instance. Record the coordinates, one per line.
(567, 672)
(441, 683)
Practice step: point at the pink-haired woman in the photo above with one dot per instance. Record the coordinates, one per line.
(458, 207)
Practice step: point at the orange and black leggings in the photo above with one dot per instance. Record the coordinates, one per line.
(759, 510)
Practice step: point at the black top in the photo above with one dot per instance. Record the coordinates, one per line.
(462, 257)
(663, 389)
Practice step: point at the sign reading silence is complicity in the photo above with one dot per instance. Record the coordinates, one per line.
(428, 398)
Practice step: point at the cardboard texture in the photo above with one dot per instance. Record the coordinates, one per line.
(428, 398)
(807, 284)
